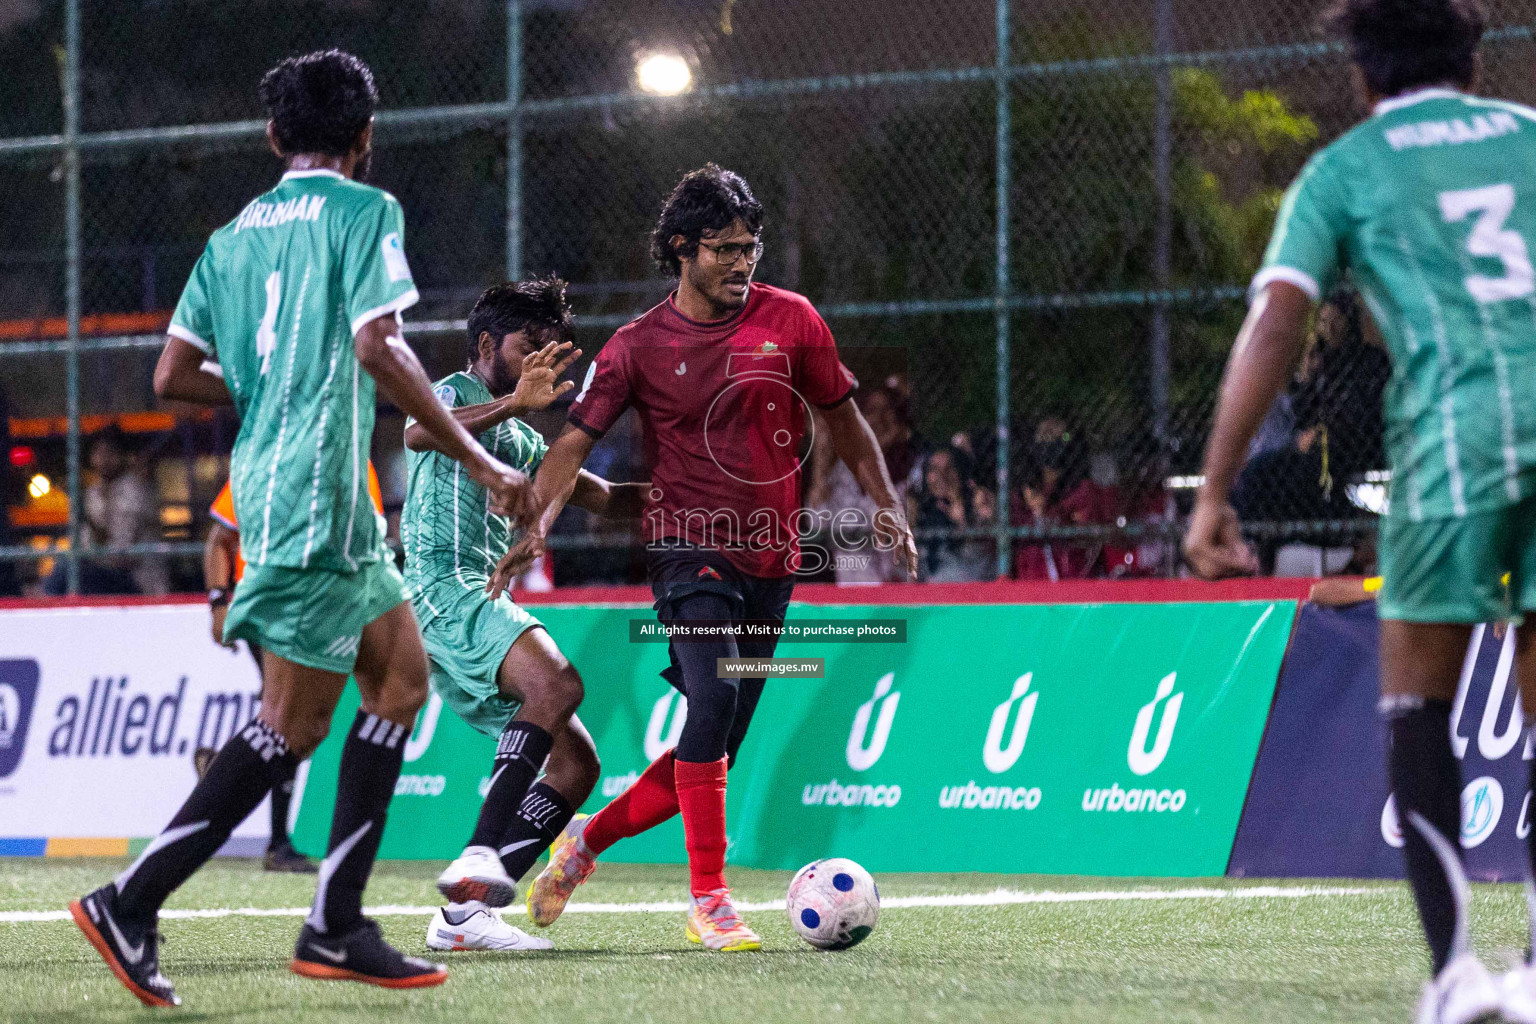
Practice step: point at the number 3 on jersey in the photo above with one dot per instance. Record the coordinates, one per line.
(266, 334)
(1490, 238)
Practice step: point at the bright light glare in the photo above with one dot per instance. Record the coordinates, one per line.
(39, 486)
(664, 74)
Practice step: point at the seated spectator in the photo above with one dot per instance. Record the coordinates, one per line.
(948, 500)
(1058, 492)
(119, 508)
(1334, 412)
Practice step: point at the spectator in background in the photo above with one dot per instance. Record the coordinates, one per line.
(830, 486)
(1058, 492)
(948, 499)
(1324, 431)
(119, 508)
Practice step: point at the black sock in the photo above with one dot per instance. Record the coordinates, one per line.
(242, 773)
(539, 819)
(1426, 781)
(282, 799)
(370, 766)
(520, 756)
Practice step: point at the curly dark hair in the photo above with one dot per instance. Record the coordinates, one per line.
(707, 199)
(539, 305)
(320, 102)
(1403, 44)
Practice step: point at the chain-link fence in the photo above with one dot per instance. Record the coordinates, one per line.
(1030, 225)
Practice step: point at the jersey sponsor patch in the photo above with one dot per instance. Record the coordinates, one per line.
(444, 394)
(394, 258)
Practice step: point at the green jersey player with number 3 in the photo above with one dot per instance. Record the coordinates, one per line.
(1429, 207)
(298, 300)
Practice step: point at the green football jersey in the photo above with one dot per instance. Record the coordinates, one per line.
(447, 527)
(275, 300)
(1430, 205)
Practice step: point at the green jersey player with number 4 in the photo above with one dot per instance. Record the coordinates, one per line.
(297, 300)
(1429, 207)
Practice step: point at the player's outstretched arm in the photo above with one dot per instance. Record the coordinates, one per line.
(1262, 357)
(180, 377)
(607, 499)
(552, 488)
(382, 351)
(476, 419)
(855, 444)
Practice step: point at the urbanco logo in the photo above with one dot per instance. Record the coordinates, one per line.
(661, 737)
(1143, 761)
(865, 749)
(994, 755)
(426, 725)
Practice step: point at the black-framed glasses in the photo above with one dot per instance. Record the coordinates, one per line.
(727, 255)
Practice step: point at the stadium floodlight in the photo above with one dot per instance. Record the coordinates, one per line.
(664, 74)
(39, 486)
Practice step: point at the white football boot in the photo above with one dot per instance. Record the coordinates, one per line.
(1518, 987)
(1463, 993)
(477, 877)
(482, 929)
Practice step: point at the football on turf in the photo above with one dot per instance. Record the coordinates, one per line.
(833, 903)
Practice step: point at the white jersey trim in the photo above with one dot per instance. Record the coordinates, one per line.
(178, 331)
(316, 172)
(1300, 278)
(1408, 99)
(395, 305)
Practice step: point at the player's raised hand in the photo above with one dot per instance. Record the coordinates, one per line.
(1213, 544)
(515, 562)
(540, 383)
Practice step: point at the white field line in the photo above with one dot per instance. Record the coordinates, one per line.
(995, 898)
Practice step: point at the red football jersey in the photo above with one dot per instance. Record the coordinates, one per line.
(722, 410)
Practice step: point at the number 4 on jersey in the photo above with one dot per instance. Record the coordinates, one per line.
(1490, 238)
(266, 334)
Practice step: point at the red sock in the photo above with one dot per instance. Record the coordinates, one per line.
(701, 794)
(646, 804)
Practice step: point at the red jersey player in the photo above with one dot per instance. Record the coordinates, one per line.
(720, 374)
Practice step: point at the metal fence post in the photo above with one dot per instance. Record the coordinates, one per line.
(515, 140)
(1162, 241)
(1000, 291)
(72, 277)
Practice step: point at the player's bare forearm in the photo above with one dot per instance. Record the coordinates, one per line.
(556, 479)
(606, 499)
(856, 445)
(382, 351)
(1261, 360)
(219, 557)
(179, 376)
(476, 419)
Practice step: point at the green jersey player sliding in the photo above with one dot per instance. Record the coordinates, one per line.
(298, 300)
(492, 662)
(1430, 207)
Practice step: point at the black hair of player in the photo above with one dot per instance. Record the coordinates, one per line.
(707, 199)
(538, 304)
(1406, 44)
(320, 102)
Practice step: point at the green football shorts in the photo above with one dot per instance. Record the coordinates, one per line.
(312, 617)
(1449, 570)
(467, 636)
